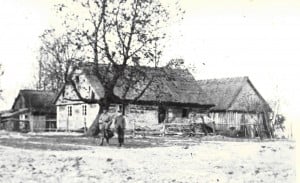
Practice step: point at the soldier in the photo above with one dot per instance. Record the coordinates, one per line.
(120, 127)
(104, 126)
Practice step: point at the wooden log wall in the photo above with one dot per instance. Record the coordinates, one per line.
(225, 120)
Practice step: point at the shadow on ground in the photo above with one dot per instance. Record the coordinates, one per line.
(66, 143)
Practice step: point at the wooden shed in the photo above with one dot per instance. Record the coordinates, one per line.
(239, 108)
(32, 110)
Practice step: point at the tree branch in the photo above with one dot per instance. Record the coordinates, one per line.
(132, 29)
(143, 91)
(89, 101)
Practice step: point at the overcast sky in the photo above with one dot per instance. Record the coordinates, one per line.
(255, 38)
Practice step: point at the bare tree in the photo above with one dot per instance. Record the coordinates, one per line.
(119, 37)
(57, 55)
(277, 120)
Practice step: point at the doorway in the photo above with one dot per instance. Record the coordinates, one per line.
(162, 113)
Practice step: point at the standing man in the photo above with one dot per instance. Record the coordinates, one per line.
(104, 126)
(120, 127)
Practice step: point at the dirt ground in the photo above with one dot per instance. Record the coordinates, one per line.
(63, 157)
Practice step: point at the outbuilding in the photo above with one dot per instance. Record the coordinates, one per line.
(32, 110)
(239, 109)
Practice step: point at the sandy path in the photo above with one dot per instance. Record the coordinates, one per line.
(205, 162)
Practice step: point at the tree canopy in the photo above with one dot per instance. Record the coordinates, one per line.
(115, 33)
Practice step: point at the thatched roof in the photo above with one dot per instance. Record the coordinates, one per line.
(225, 91)
(174, 86)
(14, 113)
(36, 101)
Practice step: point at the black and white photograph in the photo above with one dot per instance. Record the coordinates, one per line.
(149, 91)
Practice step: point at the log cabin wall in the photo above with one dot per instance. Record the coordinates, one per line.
(144, 115)
(236, 100)
(226, 120)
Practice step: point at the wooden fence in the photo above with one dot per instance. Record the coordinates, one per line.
(183, 129)
(201, 129)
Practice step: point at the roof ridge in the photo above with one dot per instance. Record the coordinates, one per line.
(90, 64)
(36, 90)
(181, 80)
(225, 78)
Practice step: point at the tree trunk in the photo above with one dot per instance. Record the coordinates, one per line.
(93, 130)
(204, 126)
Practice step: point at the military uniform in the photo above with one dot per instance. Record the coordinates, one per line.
(104, 127)
(120, 128)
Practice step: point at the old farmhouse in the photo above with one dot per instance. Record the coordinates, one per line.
(174, 97)
(239, 108)
(32, 110)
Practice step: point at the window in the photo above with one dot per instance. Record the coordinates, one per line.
(84, 110)
(161, 114)
(69, 110)
(23, 117)
(185, 113)
(120, 108)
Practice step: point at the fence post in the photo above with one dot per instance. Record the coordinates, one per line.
(164, 129)
(133, 131)
(164, 125)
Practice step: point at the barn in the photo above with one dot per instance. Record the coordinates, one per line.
(173, 98)
(239, 109)
(32, 110)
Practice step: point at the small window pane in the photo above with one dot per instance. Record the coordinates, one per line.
(84, 110)
(69, 110)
